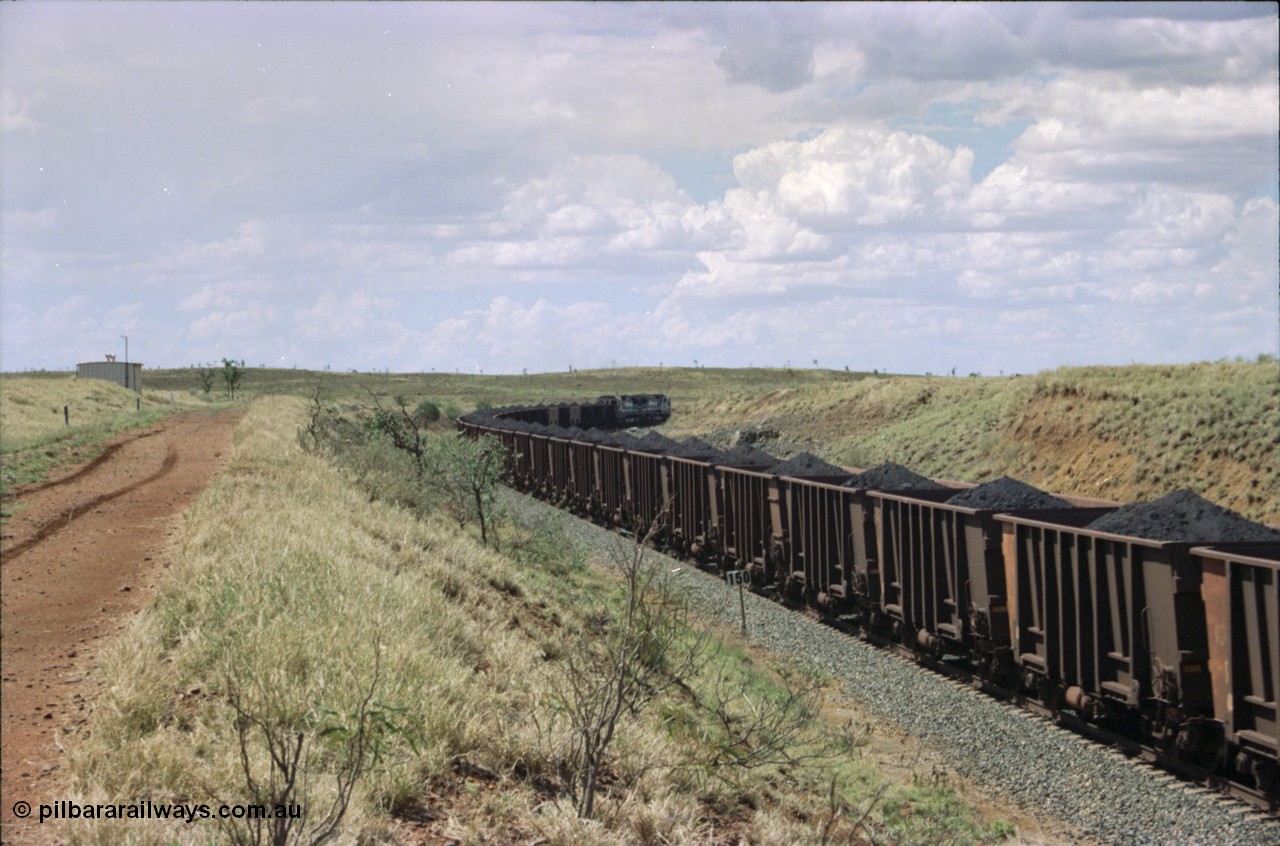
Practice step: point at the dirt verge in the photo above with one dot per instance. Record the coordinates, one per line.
(84, 553)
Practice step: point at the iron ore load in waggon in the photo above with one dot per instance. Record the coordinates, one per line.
(1154, 622)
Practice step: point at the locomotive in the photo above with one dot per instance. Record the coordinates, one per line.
(604, 413)
(1074, 604)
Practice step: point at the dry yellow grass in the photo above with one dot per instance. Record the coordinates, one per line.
(31, 409)
(287, 581)
(1120, 433)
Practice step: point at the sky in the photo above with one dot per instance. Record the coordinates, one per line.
(498, 188)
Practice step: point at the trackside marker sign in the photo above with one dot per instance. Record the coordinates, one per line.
(741, 578)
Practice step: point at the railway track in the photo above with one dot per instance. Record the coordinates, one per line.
(1239, 799)
(1148, 627)
(1104, 792)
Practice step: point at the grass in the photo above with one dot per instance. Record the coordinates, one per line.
(37, 439)
(292, 575)
(290, 604)
(1125, 434)
(1118, 433)
(463, 392)
(289, 578)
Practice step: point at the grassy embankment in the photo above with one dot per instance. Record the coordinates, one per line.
(1121, 433)
(287, 582)
(37, 439)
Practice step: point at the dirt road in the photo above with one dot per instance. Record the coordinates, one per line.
(85, 553)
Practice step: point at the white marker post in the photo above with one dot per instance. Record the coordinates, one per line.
(739, 578)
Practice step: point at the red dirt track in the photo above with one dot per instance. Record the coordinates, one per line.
(84, 553)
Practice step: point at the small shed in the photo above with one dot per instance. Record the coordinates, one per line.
(127, 374)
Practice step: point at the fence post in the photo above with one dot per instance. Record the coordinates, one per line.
(66, 415)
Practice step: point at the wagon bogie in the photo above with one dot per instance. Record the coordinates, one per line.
(1117, 627)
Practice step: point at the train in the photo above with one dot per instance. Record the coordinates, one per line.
(1099, 612)
(605, 413)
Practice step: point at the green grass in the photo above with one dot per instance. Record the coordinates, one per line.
(1116, 433)
(289, 577)
(32, 462)
(36, 437)
(1126, 433)
(464, 392)
(291, 572)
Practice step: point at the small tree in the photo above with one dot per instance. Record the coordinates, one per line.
(406, 430)
(207, 373)
(650, 647)
(313, 435)
(614, 672)
(427, 412)
(466, 472)
(232, 374)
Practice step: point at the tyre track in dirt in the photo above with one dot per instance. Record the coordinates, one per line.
(85, 470)
(64, 520)
(76, 562)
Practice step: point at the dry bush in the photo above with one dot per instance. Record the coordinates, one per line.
(284, 578)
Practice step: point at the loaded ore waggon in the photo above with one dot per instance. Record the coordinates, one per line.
(1157, 621)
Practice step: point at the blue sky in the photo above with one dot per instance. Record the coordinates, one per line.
(500, 187)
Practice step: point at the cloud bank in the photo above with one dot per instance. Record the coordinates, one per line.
(497, 188)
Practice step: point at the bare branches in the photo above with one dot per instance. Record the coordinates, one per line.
(408, 432)
(640, 651)
(838, 810)
(649, 646)
(463, 471)
(283, 792)
(765, 728)
(312, 436)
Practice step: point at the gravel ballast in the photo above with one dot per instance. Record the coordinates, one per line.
(1021, 759)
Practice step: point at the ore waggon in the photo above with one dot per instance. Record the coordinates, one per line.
(1058, 601)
